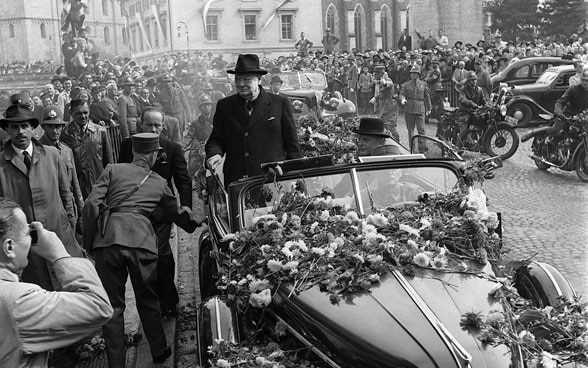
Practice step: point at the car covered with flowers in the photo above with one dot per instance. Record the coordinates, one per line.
(388, 261)
(308, 92)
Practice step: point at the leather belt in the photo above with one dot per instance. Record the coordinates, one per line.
(134, 210)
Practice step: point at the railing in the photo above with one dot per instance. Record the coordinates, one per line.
(115, 140)
(451, 93)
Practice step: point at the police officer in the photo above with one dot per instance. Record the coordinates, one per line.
(414, 95)
(126, 243)
(127, 109)
(174, 101)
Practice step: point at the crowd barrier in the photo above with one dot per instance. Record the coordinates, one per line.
(115, 140)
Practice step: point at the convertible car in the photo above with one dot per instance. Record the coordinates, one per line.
(307, 90)
(406, 319)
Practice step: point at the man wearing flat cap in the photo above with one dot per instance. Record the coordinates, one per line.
(252, 126)
(34, 176)
(125, 243)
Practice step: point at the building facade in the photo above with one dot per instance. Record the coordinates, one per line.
(31, 30)
(230, 27)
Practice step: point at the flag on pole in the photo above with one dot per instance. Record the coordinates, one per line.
(274, 14)
(159, 27)
(142, 26)
(204, 14)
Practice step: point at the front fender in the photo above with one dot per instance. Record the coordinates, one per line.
(543, 284)
(535, 107)
(217, 320)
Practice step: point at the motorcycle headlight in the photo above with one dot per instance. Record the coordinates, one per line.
(503, 110)
(297, 105)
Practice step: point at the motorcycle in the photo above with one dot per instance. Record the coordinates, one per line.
(489, 131)
(566, 150)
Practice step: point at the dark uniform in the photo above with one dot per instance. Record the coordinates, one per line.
(418, 102)
(127, 116)
(129, 245)
(174, 103)
(572, 102)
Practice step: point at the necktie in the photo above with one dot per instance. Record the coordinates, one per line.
(250, 105)
(27, 160)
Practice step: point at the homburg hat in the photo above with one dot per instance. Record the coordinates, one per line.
(415, 69)
(247, 63)
(276, 79)
(18, 114)
(145, 142)
(52, 115)
(371, 126)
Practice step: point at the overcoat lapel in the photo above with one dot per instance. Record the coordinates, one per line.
(261, 110)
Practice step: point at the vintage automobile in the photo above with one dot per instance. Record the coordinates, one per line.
(404, 321)
(526, 71)
(530, 100)
(307, 90)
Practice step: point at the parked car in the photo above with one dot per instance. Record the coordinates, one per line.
(530, 100)
(403, 321)
(526, 71)
(307, 90)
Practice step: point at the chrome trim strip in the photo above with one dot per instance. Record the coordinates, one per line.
(218, 322)
(355, 182)
(447, 337)
(303, 340)
(551, 278)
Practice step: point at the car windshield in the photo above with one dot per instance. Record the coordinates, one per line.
(301, 80)
(547, 78)
(362, 189)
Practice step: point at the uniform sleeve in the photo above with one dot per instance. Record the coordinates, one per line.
(182, 180)
(289, 133)
(562, 101)
(90, 209)
(47, 320)
(64, 189)
(181, 216)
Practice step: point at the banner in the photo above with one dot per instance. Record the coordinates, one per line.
(142, 26)
(159, 27)
(274, 14)
(204, 14)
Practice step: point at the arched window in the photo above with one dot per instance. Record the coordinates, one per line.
(385, 27)
(105, 7)
(107, 35)
(357, 25)
(331, 18)
(43, 31)
(11, 30)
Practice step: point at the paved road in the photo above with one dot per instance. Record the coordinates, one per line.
(545, 213)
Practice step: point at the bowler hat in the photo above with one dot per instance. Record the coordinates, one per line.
(415, 69)
(145, 142)
(52, 115)
(247, 63)
(276, 79)
(371, 126)
(18, 114)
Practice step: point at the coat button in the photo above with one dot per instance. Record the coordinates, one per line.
(246, 154)
(246, 134)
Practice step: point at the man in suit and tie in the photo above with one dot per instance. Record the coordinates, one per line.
(405, 41)
(171, 164)
(251, 127)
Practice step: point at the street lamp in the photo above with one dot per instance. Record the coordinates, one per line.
(183, 26)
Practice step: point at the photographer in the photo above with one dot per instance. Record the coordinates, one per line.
(33, 320)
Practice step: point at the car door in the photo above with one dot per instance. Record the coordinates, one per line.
(521, 76)
(557, 88)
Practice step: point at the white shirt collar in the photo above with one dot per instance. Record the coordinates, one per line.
(19, 151)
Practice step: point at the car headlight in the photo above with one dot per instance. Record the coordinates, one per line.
(503, 110)
(333, 102)
(297, 105)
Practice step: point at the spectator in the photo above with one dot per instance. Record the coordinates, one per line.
(35, 321)
(442, 40)
(173, 99)
(303, 45)
(127, 109)
(329, 41)
(405, 41)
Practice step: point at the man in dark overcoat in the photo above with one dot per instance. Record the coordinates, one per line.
(252, 126)
(170, 165)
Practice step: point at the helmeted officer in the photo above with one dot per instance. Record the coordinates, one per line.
(126, 243)
(127, 109)
(414, 94)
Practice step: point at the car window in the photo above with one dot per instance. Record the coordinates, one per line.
(219, 200)
(539, 68)
(523, 72)
(263, 199)
(563, 81)
(390, 187)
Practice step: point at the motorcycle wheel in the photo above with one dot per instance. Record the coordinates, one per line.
(581, 165)
(502, 141)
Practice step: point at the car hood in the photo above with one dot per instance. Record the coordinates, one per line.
(402, 322)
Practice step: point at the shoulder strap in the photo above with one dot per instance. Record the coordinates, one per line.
(114, 205)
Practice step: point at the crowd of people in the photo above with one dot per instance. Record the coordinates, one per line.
(99, 155)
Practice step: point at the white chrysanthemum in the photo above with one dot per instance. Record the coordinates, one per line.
(287, 252)
(351, 216)
(274, 265)
(261, 299)
(258, 285)
(291, 266)
(368, 229)
(265, 248)
(318, 251)
(324, 216)
(302, 245)
(439, 262)
(222, 363)
(409, 229)
(412, 244)
(421, 259)
(229, 237)
(377, 219)
(492, 221)
(313, 227)
(264, 218)
(375, 259)
(339, 241)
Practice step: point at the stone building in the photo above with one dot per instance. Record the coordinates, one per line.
(375, 24)
(230, 27)
(31, 30)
